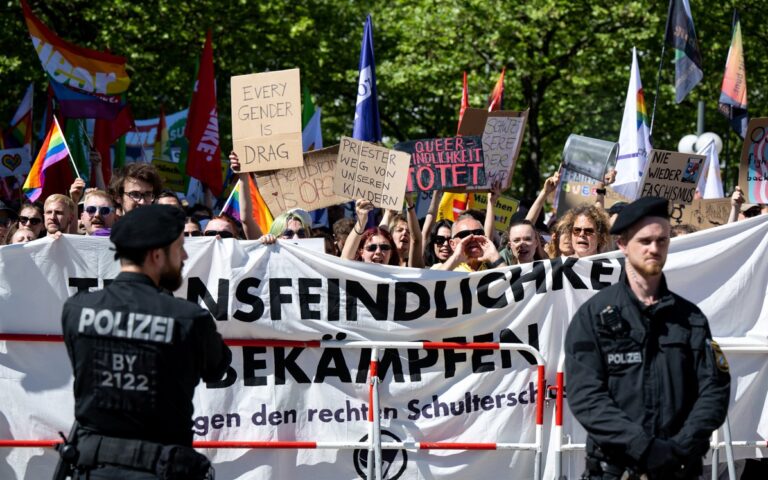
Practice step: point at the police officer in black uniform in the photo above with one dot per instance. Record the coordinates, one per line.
(644, 376)
(137, 354)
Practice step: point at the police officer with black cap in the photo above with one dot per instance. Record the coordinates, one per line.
(137, 354)
(644, 376)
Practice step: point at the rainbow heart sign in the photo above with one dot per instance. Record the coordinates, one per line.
(15, 161)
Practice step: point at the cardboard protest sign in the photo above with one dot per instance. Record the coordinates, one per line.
(308, 187)
(672, 175)
(365, 170)
(574, 194)
(701, 213)
(502, 133)
(266, 120)
(444, 163)
(503, 210)
(753, 169)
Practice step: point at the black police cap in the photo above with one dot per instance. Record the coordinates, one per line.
(639, 209)
(145, 228)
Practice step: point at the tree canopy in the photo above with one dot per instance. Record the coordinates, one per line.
(567, 61)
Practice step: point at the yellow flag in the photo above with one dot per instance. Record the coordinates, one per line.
(451, 205)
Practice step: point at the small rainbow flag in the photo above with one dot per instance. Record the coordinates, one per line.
(261, 213)
(54, 149)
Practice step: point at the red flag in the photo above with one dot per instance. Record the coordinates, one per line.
(464, 102)
(497, 95)
(202, 131)
(106, 132)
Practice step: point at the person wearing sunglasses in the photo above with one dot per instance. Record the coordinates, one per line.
(589, 231)
(31, 217)
(439, 245)
(98, 213)
(374, 245)
(192, 227)
(472, 250)
(221, 226)
(136, 185)
(377, 246)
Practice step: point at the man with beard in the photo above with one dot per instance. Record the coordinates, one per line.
(472, 250)
(645, 378)
(98, 213)
(137, 354)
(59, 214)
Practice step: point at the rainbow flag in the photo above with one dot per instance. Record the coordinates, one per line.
(733, 93)
(54, 149)
(261, 213)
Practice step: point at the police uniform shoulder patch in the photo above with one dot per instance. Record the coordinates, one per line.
(720, 361)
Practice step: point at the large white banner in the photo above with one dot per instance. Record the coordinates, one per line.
(285, 292)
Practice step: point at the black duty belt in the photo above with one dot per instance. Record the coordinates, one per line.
(167, 461)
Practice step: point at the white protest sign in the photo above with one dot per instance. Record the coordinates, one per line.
(266, 120)
(308, 187)
(365, 170)
(672, 175)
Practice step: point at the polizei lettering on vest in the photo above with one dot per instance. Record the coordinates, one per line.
(139, 326)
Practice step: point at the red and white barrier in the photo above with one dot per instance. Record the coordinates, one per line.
(374, 444)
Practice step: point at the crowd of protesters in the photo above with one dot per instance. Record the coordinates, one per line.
(470, 243)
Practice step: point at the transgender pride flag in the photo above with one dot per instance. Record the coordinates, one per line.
(54, 149)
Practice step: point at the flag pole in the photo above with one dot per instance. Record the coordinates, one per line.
(69, 152)
(231, 194)
(81, 123)
(658, 76)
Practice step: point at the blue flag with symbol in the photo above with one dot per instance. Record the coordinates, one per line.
(367, 126)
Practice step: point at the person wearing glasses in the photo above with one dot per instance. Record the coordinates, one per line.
(221, 226)
(374, 245)
(98, 213)
(31, 217)
(439, 244)
(192, 227)
(589, 231)
(472, 250)
(136, 185)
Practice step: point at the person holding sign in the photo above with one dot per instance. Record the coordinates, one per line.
(645, 378)
(374, 245)
(472, 250)
(409, 247)
(250, 227)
